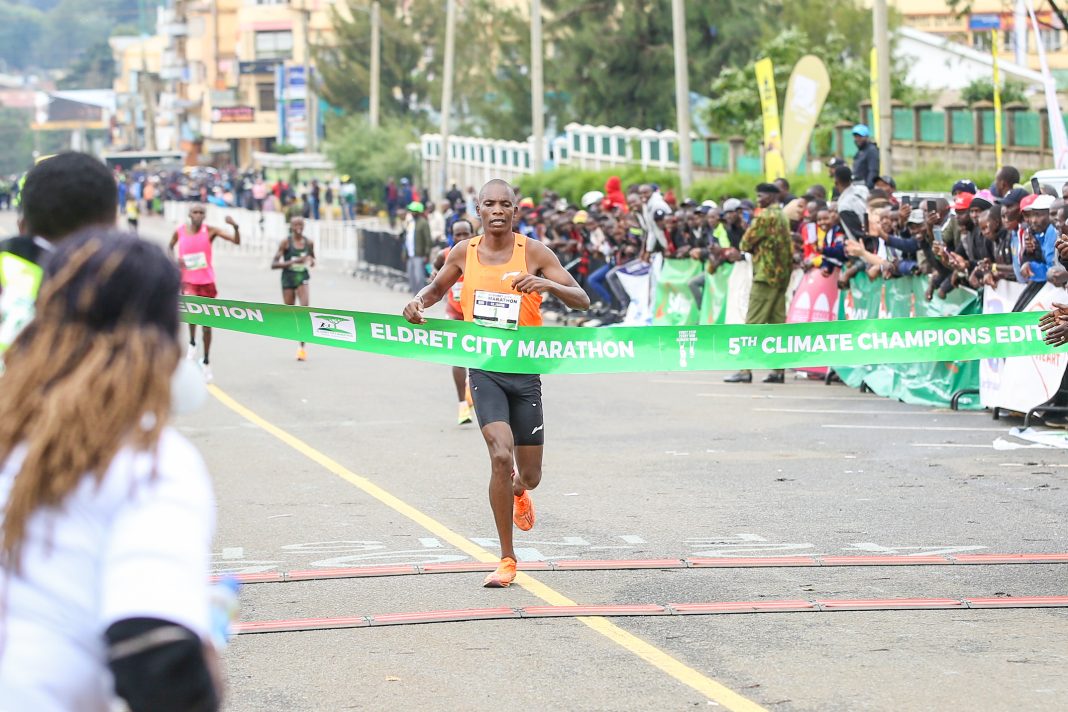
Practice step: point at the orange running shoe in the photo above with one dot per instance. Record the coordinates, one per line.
(503, 576)
(302, 355)
(523, 510)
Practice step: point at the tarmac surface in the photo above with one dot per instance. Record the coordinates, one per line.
(354, 460)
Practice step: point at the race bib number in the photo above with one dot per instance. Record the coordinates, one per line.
(195, 260)
(500, 311)
(457, 291)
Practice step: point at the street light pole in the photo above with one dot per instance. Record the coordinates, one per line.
(682, 93)
(376, 51)
(537, 87)
(446, 88)
(881, 28)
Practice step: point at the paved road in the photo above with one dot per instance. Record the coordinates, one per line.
(637, 466)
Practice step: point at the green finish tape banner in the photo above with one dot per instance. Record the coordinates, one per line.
(549, 349)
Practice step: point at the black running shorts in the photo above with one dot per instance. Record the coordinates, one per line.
(513, 398)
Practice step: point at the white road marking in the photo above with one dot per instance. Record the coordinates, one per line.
(530, 554)
(910, 427)
(720, 384)
(864, 398)
(846, 412)
(233, 553)
(967, 445)
(631, 539)
(430, 542)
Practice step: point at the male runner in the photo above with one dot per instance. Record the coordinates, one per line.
(295, 256)
(198, 273)
(461, 230)
(504, 275)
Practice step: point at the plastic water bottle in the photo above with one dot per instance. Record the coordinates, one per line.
(224, 606)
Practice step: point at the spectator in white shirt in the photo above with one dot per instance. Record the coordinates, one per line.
(107, 512)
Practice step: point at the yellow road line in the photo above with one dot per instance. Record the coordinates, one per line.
(648, 652)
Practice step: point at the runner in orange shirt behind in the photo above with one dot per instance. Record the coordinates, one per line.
(461, 230)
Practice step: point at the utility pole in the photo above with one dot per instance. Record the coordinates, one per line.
(145, 83)
(311, 133)
(376, 60)
(881, 29)
(446, 88)
(537, 87)
(148, 90)
(682, 92)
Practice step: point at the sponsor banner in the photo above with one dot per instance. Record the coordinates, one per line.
(930, 378)
(938, 340)
(873, 93)
(636, 279)
(675, 304)
(805, 94)
(774, 166)
(233, 114)
(1020, 384)
(717, 295)
(816, 299)
(258, 66)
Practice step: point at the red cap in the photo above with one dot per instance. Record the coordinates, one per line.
(963, 201)
(1026, 202)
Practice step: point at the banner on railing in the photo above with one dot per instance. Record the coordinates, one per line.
(1020, 384)
(634, 349)
(923, 381)
(816, 299)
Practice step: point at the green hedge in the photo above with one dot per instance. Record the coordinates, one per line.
(571, 183)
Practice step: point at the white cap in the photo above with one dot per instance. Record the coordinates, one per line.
(917, 217)
(731, 204)
(591, 198)
(709, 204)
(1042, 202)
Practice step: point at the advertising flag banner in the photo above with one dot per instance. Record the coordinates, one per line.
(805, 94)
(774, 165)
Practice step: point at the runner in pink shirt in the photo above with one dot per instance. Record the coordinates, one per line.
(193, 242)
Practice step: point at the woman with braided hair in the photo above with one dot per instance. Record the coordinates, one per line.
(106, 513)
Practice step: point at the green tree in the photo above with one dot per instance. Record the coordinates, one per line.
(491, 84)
(344, 68)
(370, 155)
(983, 90)
(735, 105)
(20, 27)
(17, 140)
(616, 61)
(93, 70)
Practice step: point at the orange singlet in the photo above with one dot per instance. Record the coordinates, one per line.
(453, 310)
(487, 295)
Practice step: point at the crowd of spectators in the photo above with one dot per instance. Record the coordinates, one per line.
(966, 237)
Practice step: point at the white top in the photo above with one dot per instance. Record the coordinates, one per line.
(136, 545)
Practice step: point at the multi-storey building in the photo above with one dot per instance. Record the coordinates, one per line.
(231, 75)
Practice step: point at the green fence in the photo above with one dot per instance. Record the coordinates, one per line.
(932, 126)
(904, 130)
(963, 126)
(1028, 131)
(986, 117)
